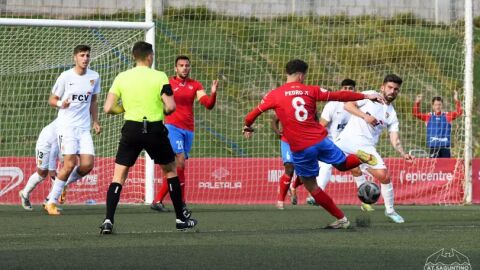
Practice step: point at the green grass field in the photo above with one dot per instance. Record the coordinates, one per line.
(234, 237)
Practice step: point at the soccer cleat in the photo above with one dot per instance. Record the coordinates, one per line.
(279, 205)
(395, 217)
(367, 158)
(311, 201)
(293, 196)
(25, 201)
(63, 196)
(51, 209)
(367, 207)
(106, 227)
(186, 212)
(159, 207)
(185, 224)
(342, 223)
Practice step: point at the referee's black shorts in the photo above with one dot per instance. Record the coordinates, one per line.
(155, 141)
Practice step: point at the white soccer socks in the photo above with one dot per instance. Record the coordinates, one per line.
(56, 191)
(387, 193)
(359, 180)
(33, 181)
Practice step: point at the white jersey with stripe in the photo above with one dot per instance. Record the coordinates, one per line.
(359, 131)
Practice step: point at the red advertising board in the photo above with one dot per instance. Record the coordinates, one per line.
(247, 181)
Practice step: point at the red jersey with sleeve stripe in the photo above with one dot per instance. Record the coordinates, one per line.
(184, 93)
(295, 105)
(425, 117)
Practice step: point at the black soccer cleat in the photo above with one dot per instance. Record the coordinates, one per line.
(186, 224)
(106, 227)
(187, 213)
(160, 207)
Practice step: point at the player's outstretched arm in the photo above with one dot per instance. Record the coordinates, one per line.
(352, 108)
(94, 114)
(397, 144)
(249, 120)
(416, 109)
(111, 105)
(206, 100)
(347, 96)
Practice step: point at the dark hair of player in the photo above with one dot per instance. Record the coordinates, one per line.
(392, 78)
(296, 65)
(437, 99)
(181, 57)
(81, 48)
(141, 50)
(348, 82)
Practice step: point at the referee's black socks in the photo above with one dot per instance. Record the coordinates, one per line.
(176, 196)
(113, 197)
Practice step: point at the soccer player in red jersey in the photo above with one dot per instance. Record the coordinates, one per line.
(180, 124)
(295, 104)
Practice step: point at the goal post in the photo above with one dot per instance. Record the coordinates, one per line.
(468, 88)
(108, 39)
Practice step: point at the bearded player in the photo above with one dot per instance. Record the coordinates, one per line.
(363, 130)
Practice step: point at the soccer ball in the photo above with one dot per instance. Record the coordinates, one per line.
(368, 192)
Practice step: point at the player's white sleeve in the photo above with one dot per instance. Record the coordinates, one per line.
(394, 125)
(328, 111)
(96, 88)
(59, 87)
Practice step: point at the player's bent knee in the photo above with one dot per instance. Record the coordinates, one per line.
(42, 173)
(85, 169)
(289, 169)
(169, 168)
(384, 179)
(356, 172)
(310, 183)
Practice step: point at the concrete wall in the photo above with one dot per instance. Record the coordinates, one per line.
(448, 10)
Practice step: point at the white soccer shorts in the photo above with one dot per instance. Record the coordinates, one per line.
(351, 147)
(75, 141)
(46, 154)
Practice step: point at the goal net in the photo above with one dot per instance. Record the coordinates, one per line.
(246, 46)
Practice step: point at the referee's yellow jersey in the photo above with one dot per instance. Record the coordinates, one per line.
(139, 89)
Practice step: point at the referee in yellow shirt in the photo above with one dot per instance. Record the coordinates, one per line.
(146, 97)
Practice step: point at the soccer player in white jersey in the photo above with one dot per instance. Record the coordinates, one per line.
(75, 96)
(334, 118)
(46, 153)
(363, 130)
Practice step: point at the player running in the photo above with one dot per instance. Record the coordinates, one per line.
(46, 153)
(295, 105)
(180, 124)
(363, 130)
(75, 96)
